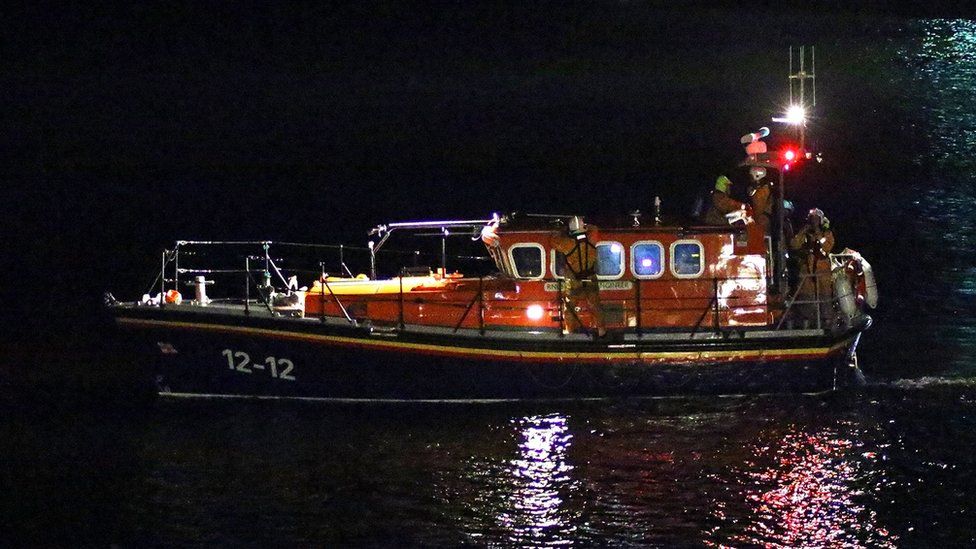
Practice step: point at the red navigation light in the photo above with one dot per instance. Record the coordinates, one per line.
(789, 156)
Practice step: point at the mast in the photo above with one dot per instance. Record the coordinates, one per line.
(796, 115)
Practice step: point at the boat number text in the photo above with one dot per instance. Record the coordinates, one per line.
(239, 361)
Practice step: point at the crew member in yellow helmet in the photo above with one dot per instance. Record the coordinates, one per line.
(722, 202)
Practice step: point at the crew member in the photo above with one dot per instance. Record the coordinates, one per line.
(812, 244)
(722, 202)
(580, 286)
(760, 197)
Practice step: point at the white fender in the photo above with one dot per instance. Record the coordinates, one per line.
(870, 284)
(843, 293)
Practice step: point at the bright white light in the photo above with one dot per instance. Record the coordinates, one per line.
(646, 262)
(615, 248)
(534, 312)
(796, 115)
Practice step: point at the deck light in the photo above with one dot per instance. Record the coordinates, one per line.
(534, 311)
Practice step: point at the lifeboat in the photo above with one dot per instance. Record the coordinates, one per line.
(535, 306)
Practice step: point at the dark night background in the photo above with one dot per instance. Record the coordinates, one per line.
(126, 128)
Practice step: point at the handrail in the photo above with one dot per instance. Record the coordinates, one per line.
(637, 301)
(222, 242)
(401, 300)
(712, 302)
(645, 304)
(325, 283)
(468, 308)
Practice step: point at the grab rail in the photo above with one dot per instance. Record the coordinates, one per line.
(634, 313)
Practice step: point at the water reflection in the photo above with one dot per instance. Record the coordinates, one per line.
(944, 66)
(939, 56)
(540, 480)
(808, 489)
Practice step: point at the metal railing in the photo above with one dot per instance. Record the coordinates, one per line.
(653, 305)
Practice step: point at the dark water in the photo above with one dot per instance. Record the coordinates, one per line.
(886, 467)
(420, 108)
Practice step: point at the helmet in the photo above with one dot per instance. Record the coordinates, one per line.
(576, 225)
(757, 172)
(723, 184)
(788, 206)
(816, 213)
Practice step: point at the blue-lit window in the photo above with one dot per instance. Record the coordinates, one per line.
(687, 259)
(528, 260)
(647, 259)
(609, 260)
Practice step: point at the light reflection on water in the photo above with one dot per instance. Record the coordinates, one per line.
(806, 472)
(723, 478)
(540, 477)
(807, 489)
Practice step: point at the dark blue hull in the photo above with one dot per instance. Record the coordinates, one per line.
(206, 359)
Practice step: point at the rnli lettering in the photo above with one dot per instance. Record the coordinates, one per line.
(605, 286)
(239, 361)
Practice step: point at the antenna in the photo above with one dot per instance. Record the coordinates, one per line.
(796, 113)
(798, 79)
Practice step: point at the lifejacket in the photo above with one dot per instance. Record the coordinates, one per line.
(807, 243)
(762, 204)
(581, 259)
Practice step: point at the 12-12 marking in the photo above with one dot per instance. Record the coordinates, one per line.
(239, 361)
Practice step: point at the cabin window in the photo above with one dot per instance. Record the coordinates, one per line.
(528, 259)
(687, 258)
(609, 260)
(558, 264)
(647, 259)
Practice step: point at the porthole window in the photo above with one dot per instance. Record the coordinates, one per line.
(647, 259)
(528, 260)
(687, 259)
(609, 260)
